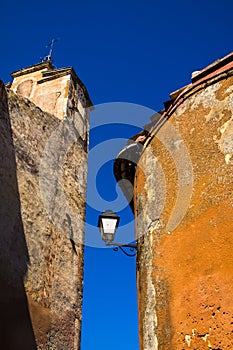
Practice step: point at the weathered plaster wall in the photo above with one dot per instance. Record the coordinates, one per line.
(54, 91)
(52, 96)
(48, 96)
(51, 203)
(184, 211)
(25, 84)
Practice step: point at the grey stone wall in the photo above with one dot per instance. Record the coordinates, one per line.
(43, 171)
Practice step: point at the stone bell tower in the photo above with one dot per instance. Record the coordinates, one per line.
(47, 111)
(59, 92)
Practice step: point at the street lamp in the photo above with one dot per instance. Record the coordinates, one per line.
(108, 223)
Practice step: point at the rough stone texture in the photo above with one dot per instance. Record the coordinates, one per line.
(15, 324)
(50, 205)
(184, 208)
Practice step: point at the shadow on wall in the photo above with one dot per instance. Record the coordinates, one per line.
(15, 324)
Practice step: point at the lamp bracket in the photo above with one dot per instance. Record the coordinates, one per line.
(133, 248)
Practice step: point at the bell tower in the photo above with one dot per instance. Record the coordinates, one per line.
(51, 175)
(59, 92)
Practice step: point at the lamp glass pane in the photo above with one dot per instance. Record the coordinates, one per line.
(109, 225)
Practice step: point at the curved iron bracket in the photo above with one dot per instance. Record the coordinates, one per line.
(132, 248)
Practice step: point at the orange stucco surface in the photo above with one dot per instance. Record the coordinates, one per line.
(184, 217)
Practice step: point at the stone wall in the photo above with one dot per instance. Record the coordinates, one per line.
(183, 212)
(46, 193)
(15, 323)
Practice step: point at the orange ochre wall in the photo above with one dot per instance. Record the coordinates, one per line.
(184, 221)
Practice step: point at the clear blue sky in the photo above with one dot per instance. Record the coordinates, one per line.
(124, 51)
